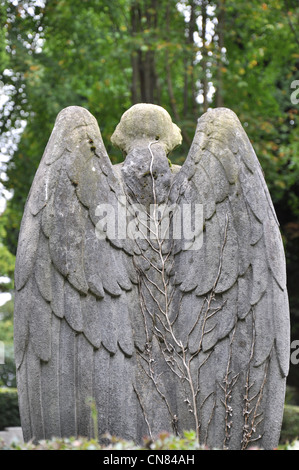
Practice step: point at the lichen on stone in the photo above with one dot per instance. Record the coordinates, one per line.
(145, 123)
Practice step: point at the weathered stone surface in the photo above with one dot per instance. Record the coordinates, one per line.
(162, 335)
(146, 123)
(10, 435)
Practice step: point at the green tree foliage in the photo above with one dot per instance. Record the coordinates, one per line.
(8, 369)
(6, 324)
(261, 62)
(186, 56)
(9, 409)
(7, 260)
(3, 56)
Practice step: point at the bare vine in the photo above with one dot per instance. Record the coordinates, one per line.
(156, 294)
(229, 382)
(253, 417)
(176, 355)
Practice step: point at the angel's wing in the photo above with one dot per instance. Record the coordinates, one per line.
(70, 343)
(234, 315)
(161, 335)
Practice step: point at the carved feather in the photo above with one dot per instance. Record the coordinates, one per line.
(68, 278)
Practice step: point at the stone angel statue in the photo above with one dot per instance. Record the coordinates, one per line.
(156, 291)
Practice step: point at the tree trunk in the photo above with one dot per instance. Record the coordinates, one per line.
(144, 78)
(189, 94)
(220, 31)
(135, 89)
(192, 29)
(205, 84)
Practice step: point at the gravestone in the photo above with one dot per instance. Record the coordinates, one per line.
(151, 292)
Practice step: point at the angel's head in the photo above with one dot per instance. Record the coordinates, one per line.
(144, 123)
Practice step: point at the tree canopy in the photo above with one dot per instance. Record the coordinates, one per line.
(186, 56)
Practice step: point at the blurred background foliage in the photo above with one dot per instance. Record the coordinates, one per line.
(186, 56)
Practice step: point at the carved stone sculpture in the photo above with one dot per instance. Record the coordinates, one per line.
(173, 318)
